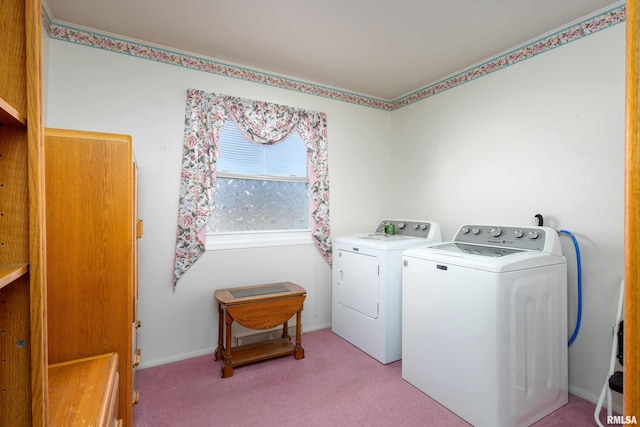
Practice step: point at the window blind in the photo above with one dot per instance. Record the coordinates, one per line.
(286, 160)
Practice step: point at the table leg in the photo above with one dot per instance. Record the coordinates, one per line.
(285, 330)
(220, 350)
(298, 351)
(227, 368)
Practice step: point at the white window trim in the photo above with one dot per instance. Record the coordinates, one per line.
(257, 239)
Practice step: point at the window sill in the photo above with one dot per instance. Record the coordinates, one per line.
(221, 241)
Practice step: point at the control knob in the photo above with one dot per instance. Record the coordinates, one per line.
(416, 226)
(533, 235)
(495, 232)
(423, 226)
(401, 225)
(465, 230)
(475, 230)
(518, 234)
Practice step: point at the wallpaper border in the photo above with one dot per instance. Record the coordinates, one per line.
(137, 49)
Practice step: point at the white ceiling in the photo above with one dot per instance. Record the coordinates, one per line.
(379, 48)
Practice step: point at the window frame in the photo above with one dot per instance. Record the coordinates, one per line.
(257, 239)
(225, 240)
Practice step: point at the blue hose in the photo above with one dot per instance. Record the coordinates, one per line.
(579, 319)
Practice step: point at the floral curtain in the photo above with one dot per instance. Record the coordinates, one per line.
(262, 123)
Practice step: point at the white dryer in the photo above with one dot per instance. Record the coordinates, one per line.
(367, 286)
(485, 324)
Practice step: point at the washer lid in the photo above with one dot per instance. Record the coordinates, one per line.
(480, 257)
(487, 251)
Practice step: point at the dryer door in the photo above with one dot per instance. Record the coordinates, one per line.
(358, 282)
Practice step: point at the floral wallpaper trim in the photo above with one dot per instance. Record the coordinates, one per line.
(584, 28)
(560, 38)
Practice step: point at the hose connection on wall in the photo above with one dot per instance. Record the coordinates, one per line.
(538, 220)
(579, 268)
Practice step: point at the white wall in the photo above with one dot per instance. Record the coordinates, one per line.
(45, 61)
(91, 89)
(543, 136)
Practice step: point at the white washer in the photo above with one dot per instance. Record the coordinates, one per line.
(485, 324)
(367, 286)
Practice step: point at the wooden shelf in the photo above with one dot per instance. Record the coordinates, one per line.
(261, 351)
(10, 116)
(10, 272)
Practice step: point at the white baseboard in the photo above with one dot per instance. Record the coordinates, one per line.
(175, 358)
(590, 397)
(209, 350)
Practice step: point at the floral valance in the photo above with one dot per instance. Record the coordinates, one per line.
(262, 123)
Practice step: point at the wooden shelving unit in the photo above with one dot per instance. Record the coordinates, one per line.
(26, 400)
(23, 371)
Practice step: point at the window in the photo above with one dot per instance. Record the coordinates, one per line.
(205, 118)
(260, 188)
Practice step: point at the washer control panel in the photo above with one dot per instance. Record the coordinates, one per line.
(531, 238)
(406, 227)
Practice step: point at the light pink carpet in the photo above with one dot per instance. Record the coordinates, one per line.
(336, 384)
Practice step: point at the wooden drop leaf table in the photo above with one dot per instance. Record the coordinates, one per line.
(258, 307)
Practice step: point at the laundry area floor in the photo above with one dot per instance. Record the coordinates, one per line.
(336, 384)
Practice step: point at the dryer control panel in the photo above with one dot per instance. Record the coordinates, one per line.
(529, 238)
(411, 228)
